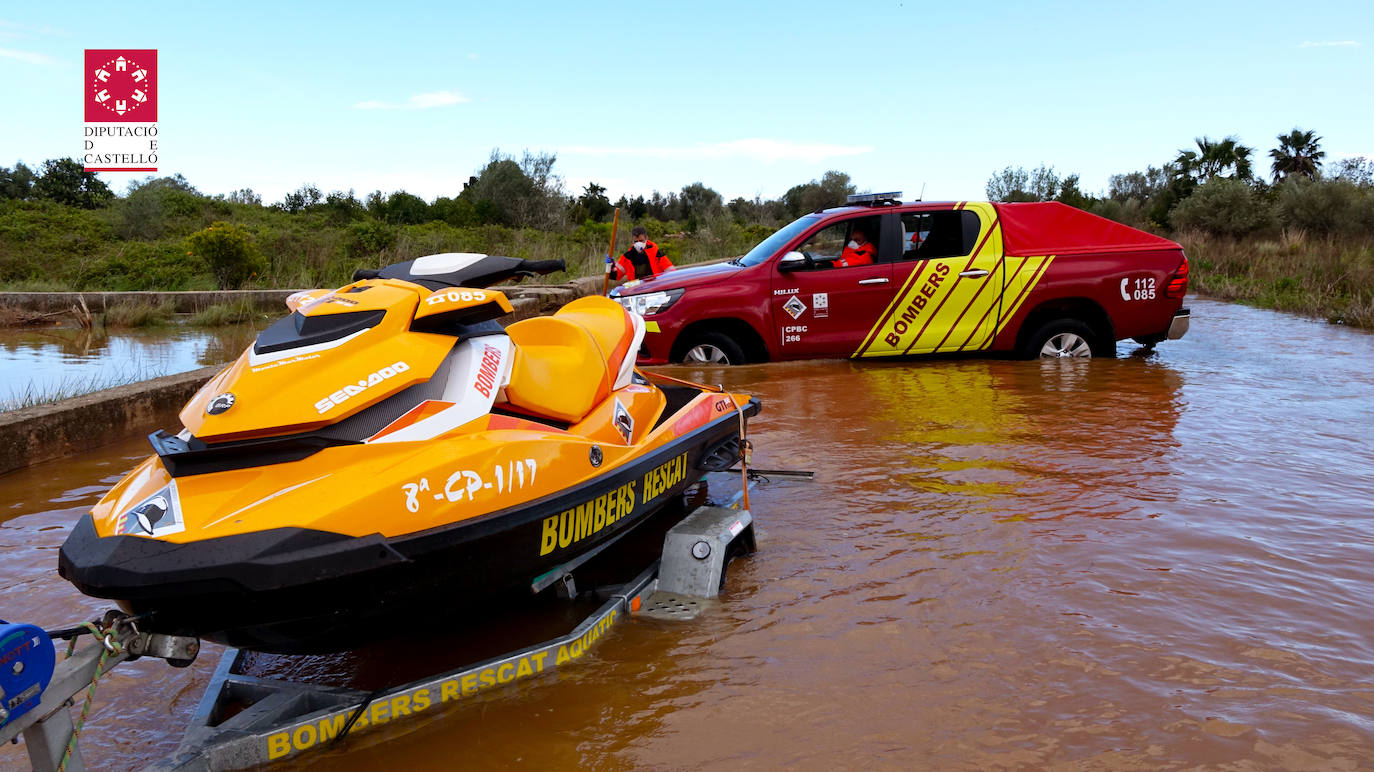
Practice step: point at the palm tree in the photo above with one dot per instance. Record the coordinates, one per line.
(1297, 153)
(1213, 158)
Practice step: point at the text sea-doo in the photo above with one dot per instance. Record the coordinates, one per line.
(389, 450)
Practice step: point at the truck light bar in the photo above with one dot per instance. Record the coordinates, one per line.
(874, 198)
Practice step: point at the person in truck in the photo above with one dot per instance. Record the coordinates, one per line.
(859, 251)
(643, 259)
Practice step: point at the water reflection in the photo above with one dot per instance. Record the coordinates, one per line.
(57, 360)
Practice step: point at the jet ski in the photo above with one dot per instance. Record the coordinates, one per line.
(388, 452)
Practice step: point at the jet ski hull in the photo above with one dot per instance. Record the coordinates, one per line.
(298, 590)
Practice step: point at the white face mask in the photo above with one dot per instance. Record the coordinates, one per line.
(853, 244)
(639, 245)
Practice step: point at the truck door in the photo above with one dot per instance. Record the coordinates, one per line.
(950, 280)
(821, 308)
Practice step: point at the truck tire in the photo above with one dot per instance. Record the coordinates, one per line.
(1060, 338)
(712, 348)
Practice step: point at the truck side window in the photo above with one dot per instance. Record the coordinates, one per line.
(946, 233)
(825, 245)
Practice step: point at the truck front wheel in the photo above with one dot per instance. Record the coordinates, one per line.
(713, 348)
(1060, 338)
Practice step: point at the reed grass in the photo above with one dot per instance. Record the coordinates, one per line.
(137, 315)
(223, 314)
(1329, 278)
(43, 394)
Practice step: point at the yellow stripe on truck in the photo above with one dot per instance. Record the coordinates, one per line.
(1019, 287)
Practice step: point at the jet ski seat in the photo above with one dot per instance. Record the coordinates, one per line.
(567, 364)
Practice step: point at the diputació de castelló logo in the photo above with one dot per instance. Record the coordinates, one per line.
(120, 97)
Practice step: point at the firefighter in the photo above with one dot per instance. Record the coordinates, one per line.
(643, 259)
(858, 251)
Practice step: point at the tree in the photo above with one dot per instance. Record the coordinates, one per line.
(1017, 184)
(404, 208)
(548, 206)
(1298, 153)
(16, 183)
(699, 201)
(341, 208)
(501, 192)
(230, 253)
(1070, 194)
(1358, 171)
(67, 182)
(244, 196)
(152, 204)
(830, 190)
(458, 212)
(595, 205)
(1142, 186)
(301, 199)
(1214, 158)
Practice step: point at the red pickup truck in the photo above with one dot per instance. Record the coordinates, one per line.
(1032, 279)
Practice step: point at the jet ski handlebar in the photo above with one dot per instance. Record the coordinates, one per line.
(543, 266)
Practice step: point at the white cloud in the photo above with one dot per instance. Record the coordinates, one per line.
(24, 56)
(472, 57)
(416, 102)
(762, 149)
(1330, 44)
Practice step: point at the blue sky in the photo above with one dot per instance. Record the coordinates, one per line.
(748, 98)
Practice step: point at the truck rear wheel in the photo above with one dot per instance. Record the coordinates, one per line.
(1060, 338)
(713, 348)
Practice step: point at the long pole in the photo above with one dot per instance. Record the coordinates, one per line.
(610, 264)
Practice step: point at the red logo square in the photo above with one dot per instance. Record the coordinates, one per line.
(121, 85)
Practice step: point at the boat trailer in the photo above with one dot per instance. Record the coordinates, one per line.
(245, 721)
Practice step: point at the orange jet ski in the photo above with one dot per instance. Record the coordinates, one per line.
(388, 451)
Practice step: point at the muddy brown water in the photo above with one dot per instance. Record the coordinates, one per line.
(1157, 561)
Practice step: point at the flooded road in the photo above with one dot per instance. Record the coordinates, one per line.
(1157, 561)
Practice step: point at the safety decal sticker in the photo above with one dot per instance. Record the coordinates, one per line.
(820, 305)
(794, 307)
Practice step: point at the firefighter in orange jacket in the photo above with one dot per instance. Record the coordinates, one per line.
(643, 259)
(859, 251)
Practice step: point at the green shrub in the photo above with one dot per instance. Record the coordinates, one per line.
(143, 265)
(229, 252)
(1223, 207)
(1325, 206)
(370, 237)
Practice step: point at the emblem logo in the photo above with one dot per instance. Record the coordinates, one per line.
(157, 515)
(220, 403)
(624, 422)
(121, 86)
(794, 307)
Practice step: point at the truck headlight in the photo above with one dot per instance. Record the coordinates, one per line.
(650, 303)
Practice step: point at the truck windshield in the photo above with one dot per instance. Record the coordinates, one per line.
(769, 246)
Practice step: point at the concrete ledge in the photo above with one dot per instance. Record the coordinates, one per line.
(547, 297)
(182, 302)
(40, 433)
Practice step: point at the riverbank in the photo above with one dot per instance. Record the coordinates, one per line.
(1324, 278)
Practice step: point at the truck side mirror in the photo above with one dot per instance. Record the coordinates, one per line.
(793, 261)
